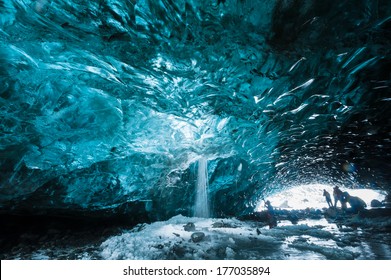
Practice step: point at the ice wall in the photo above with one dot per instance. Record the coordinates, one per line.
(106, 103)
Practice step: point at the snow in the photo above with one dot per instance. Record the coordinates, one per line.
(169, 240)
(234, 239)
(348, 237)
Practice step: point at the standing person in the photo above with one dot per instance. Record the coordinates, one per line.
(337, 193)
(326, 194)
(270, 215)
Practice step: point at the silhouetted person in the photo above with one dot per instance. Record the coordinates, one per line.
(339, 196)
(356, 203)
(327, 195)
(271, 215)
(337, 193)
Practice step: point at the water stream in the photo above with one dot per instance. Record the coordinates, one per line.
(201, 208)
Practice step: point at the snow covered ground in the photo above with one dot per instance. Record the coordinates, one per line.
(234, 239)
(189, 238)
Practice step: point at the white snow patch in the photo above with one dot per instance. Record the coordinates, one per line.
(169, 240)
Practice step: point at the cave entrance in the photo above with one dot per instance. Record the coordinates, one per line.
(311, 196)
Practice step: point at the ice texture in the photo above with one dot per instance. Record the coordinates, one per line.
(109, 103)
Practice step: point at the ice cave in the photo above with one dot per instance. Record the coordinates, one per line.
(158, 129)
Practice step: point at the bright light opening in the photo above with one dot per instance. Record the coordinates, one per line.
(311, 196)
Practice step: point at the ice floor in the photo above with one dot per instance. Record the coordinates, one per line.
(234, 239)
(313, 239)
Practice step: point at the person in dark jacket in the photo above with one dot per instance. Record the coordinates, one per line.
(271, 215)
(327, 195)
(341, 197)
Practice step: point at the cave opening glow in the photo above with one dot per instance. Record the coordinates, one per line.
(311, 196)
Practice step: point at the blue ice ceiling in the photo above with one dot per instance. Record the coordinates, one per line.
(110, 104)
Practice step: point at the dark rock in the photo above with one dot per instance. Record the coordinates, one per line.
(178, 250)
(189, 227)
(331, 213)
(218, 225)
(375, 213)
(197, 236)
(376, 203)
(256, 216)
(293, 218)
(222, 225)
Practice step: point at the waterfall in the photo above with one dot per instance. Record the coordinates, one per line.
(201, 202)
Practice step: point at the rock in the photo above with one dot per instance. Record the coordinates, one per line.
(218, 225)
(293, 218)
(301, 239)
(376, 203)
(179, 250)
(189, 227)
(331, 213)
(223, 225)
(197, 236)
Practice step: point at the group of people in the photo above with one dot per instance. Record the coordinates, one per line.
(356, 203)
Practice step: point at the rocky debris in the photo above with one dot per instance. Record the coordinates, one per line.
(179, 251)
(376, 213)
(222, 225)
(256, 217)
(218, 225)
(197, 236)
(331, 212)
(283, 214)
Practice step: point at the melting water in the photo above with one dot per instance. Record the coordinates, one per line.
(201, 208)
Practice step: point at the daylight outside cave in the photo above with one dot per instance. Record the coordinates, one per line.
(171, 123)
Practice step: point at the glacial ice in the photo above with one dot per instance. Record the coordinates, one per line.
(106, 105)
